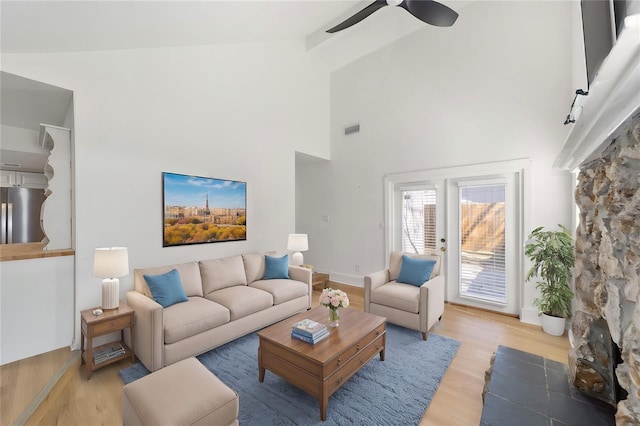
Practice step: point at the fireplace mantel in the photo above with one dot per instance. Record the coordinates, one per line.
(613, 98)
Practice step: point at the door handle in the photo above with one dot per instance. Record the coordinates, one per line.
(3, 223)
(9, 214)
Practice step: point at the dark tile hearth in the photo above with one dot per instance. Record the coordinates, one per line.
(529, 390)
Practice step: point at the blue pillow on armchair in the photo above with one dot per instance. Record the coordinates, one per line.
(166, 289)
(276, 267)
(415, 271)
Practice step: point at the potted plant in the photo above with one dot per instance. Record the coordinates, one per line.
(553, 257)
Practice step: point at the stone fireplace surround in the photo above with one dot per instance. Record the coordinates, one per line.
(607, 287)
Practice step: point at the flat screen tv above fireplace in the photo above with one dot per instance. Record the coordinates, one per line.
(602, 22)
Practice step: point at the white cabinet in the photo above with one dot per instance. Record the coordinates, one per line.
(31, 180)
(7, 178)
(23, 179)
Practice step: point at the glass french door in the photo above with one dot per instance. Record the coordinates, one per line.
(419, 212)
(419, 220)
(482, 242)
(473, 220)
(483, 254)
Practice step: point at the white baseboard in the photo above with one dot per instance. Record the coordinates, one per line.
(354, 280)
(530, 316)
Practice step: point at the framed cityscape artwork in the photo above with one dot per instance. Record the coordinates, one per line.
(198, 210)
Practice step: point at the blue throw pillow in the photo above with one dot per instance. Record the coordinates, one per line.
(415, 271)
(166, 289)
(276, 267)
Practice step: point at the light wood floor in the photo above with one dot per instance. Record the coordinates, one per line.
(77, 401)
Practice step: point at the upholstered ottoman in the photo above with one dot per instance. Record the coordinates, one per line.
(184, 393)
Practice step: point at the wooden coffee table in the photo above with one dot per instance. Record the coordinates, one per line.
(321, 369)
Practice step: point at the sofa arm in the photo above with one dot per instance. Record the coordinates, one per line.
(371, 282)
(149, 328)
(304, 275)
(432, 301)
(376, 279)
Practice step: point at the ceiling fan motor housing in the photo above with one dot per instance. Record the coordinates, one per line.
(428, 11)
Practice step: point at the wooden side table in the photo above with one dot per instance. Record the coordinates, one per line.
(110, 321)
(320, 280)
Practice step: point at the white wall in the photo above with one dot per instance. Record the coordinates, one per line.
(495, 86)
(37, 296)
(36, 306)
(312, 209)
(234, 112)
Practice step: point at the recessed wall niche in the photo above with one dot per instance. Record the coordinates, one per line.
(35, 124)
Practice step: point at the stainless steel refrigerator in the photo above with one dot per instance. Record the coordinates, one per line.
(21, 211)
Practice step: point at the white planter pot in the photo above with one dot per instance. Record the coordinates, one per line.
(553, 325)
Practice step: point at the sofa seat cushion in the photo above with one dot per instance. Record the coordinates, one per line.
(187, 319)
(405, 297)
(282, 290)
(241, 300)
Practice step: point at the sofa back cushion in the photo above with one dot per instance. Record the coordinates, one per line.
(189, 275)
(222, 273)
(395, 263)
(254, 265)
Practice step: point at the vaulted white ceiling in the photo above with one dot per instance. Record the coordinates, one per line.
(67, 26)
(74, 26)
(54, 26)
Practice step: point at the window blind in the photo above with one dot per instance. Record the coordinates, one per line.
(419, 221)
(482, 242)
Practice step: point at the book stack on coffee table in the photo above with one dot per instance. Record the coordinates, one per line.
(309, 331)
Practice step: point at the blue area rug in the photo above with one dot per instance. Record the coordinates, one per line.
(396, 391)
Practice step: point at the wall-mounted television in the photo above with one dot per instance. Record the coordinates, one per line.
(602, 21)
(200, 210)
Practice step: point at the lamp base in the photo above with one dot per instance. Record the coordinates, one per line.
(110, 293)
(296, 259)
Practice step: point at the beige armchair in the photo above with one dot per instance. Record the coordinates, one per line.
(407, 305)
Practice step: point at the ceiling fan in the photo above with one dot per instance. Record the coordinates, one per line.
(428, 11)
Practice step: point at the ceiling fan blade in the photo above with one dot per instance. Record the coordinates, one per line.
(358, 16)
(431, 12)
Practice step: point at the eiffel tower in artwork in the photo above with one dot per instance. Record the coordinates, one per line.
(207, 212)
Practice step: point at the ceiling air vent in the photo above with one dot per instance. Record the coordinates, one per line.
(352, 129)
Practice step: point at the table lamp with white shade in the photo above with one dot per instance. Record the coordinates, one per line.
(111, 263)
(297, 243)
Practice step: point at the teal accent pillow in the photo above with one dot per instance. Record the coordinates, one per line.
(276, 267)
(166, 289)
(415, 271)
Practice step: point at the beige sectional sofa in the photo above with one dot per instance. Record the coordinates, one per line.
(227, 298)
